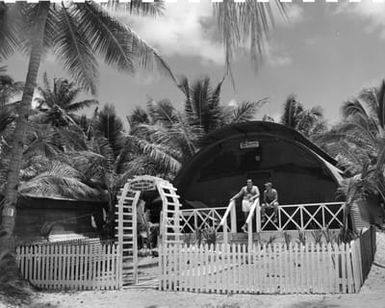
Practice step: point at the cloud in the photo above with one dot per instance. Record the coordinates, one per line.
(368, 10)
(311, 41)
(185, 29)
(294, 13)
(276, 56)
(189, 29)
(276, 59)
(232, 103)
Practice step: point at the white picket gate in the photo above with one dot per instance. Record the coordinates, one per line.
(71, 266)
(266, 269)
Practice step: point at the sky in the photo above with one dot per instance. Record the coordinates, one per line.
(324, 54)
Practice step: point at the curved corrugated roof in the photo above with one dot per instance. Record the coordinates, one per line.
(262, 128)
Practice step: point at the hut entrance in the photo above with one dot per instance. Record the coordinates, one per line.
(137, 195)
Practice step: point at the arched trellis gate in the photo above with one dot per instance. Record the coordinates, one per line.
(126, 220)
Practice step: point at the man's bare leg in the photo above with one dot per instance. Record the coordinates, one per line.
(275, 205)
(244, 227)
(263, 218)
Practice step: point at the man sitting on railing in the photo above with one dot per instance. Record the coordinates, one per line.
(270, 201)
(249, 194)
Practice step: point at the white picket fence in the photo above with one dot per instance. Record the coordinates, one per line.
(269, 269)
(80, 266)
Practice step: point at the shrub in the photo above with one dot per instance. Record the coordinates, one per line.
(301, 237)
(287, 238)
(317, 236)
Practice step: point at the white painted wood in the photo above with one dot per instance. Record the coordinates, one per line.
(66, 265)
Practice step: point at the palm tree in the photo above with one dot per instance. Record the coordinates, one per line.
(291, 112)
(309, 122)
(358, 143)
(76, 32)
(202, 104)
(203, 108)
(166, 138)
(162, 139)
(57, 104)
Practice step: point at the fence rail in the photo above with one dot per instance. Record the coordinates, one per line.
(274, 268)
(71, 266)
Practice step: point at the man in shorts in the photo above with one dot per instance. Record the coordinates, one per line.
(249, 194)
(270, 201)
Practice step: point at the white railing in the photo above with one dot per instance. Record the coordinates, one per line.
(233, 221)
(249, 221)
(201, 218)
(302, 217)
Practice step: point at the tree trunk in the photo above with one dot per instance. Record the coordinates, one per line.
(11, 191)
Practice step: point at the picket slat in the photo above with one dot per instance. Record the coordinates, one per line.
(349, 269)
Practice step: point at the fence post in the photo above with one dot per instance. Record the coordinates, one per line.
(250, 235)
(258, 218)
(135, 242)
(225, 235)
(233, 217)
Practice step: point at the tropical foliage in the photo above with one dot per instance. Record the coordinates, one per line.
(57, 102)
(169, 137)
(309, 122)
(358, 143)
(76, 33)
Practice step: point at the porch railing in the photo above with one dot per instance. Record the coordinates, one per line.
(194, 219)
(230, 211)
(249, 221)
(303, 217)
(311, 216)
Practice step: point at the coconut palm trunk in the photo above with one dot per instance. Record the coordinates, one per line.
(10, 200)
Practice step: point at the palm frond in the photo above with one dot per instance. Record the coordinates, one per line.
(158, 152)
(59, 181)
(81, 105)
(291, 111)
(247, 22)
(138, 116)
(71, 137)
(162, 111)
(42, 142)
(9, 41)
(73, 47)
(6, 118)
(137, 7)
(101, 146)
(352, 108)
(108, 125)
(108, 36)
(245, 111)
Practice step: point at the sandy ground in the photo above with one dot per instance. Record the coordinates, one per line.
(372, 294)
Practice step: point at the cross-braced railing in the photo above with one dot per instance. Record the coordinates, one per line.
(303, 217)
(198, 219)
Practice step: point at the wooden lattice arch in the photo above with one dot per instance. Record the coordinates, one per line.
(126, 220)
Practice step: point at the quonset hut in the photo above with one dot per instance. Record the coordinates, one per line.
(262, 151)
